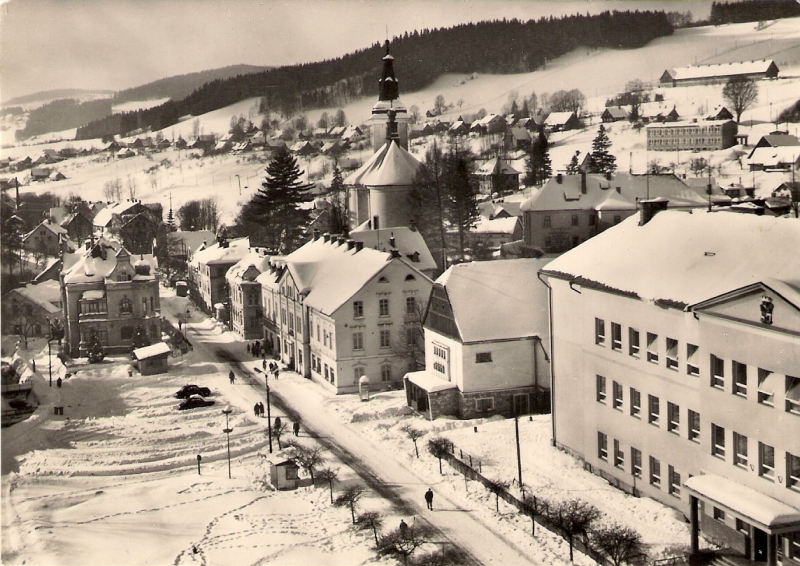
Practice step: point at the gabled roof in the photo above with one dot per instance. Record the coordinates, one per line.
(685, 258)
(256, 257)
(195, 238)
(52, 226)
(616, 112)
(93, 267)
(391, 165)
(406, 241)
(508, 286)
(558, 118)
(778, 140)
(329, 273)
(497, 166)
(44, 294)
(775, 156)
(157, 349)
(231, 253)
(496, 226)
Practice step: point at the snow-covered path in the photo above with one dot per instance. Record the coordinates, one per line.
(305, 399)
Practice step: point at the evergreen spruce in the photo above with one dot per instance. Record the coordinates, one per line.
(605, 161)
(573, 166)
(462, 206)
(538, 163)
(337, 199)
(276, 206)
(426, 203)
(94, 350)
(140, 338)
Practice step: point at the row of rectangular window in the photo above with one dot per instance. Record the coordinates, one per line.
(654, 478)
(766, 378)
(385, 339)
(383, 307)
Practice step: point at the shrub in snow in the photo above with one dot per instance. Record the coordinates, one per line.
(371, 520)
(349, 498)
(573, 517)
(440, 447)
(414, 434)
(618, 543)
(399, 543)
(328, 475)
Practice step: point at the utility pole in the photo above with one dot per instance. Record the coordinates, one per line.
(227, 430)
(269, 411)
(516, 433)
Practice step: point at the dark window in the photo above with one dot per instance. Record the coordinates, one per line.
(601, 388)
(616, 336)
(636, 403)
(652, 347)
(739, 372)
(575, 221)
(483, 357)
(358, 310)
(602, 446)
(633, 342)
(654, 410)
(717, 372)
(740, 449)
(691, 360)
(599, 331)
(125, 306)
(694, 425)
(717, 441)
(766, 461)
(673, 417)
(672, 354)
(383, 306)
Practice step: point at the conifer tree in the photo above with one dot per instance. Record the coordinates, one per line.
(538, 163)
(94, 350)
(426, 203)
(276, 206)
(338, 196)
(573, 166)
(462, 205)
(605, 161)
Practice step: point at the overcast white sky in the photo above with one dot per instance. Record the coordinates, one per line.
(118, 44)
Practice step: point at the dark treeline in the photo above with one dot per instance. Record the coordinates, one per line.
(507, 46)
(752, 11)
(62, 115)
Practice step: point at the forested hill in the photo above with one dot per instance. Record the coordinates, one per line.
(181, 86)
(507, 46)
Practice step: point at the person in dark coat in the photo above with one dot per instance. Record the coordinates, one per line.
(403, 529)
(248, 348)
(231, 377)
(296, 428)
(429, 498)
(261, 408)
(264, 364)
(58, 382)
(255, 409)
(277, 423)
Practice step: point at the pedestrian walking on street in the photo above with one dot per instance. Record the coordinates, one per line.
(248, 348)
(261, 408)
(296, 428)
(403, 529)
(429, 498)
(277, 371)
(231, 377)
(264, 364)
(255, 409)
(277, 423)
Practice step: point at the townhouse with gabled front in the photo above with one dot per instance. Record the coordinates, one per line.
(676, 369)
(336, 310)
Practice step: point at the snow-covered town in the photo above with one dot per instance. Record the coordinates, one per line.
(541, 306)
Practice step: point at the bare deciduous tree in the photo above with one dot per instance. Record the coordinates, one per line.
(414, 434)
(349, 498)
(440, 447)
(404, 543)
(617, 542)
(370, 520)
(328, 475)
(740, 92)
(573, 517)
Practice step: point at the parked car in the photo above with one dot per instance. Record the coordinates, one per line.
(188, 390)
(193, 402)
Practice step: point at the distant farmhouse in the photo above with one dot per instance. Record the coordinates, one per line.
(706, 135)
(719, 73)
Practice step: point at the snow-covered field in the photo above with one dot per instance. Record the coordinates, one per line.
(115, 478)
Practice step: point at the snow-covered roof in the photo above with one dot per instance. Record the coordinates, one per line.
(558, 118)
(52, 226)
(92, 269)
(685, 257)
(391, 165)
(508, 286)
(104, 216)
(720, 70)
(256, 258)
(231, 253)
(505, 225)
(567, 194)
(429, 382)
(775, 156)
(195, 238)
(151, 351)
(497, 166)
(406, 241)
(759, 508)
(329, 273)
(45, 294)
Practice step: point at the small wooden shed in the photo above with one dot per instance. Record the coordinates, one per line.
(283, 472)
(152, 359)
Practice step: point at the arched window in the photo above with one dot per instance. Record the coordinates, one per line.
(410, 277)
(383, 280)
(125, 306)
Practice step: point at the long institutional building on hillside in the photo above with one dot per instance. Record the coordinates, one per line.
(676, 369)
(700, 135)
(719, 73)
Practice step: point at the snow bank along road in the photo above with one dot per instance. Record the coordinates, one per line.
(380, 471)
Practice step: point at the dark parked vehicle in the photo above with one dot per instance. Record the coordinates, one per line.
(187, 390)
(193, 402)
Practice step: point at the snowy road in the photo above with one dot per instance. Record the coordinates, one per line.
(386, 475)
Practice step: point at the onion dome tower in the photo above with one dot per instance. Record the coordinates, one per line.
(388, 99)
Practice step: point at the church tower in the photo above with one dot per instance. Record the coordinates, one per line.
(388, 93)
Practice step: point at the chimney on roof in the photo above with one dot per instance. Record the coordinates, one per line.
(608, 175)
(316, 234)
(650, 208)
(326, 237)
(392, 240)
(583, 182)
(351, 244)
(359, 246)
(559, 178)
(394, 253)
(341, 240)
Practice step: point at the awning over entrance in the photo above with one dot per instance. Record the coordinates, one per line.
(761, 510)
(429, 382)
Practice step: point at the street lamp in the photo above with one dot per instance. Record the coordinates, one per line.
(269, 413)
(240, 183)
(49, 351)
(227, 430)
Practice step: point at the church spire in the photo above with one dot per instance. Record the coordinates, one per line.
(388, 87)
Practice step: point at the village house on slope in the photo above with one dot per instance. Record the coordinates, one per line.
(486, 342)
(570, 209)
(340, 310)
(26, 309)
(207, 270)
(676, 370)
(109, 293)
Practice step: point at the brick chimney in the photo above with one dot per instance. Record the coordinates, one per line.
(649, 208)
(359, 246)
(583, 182)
